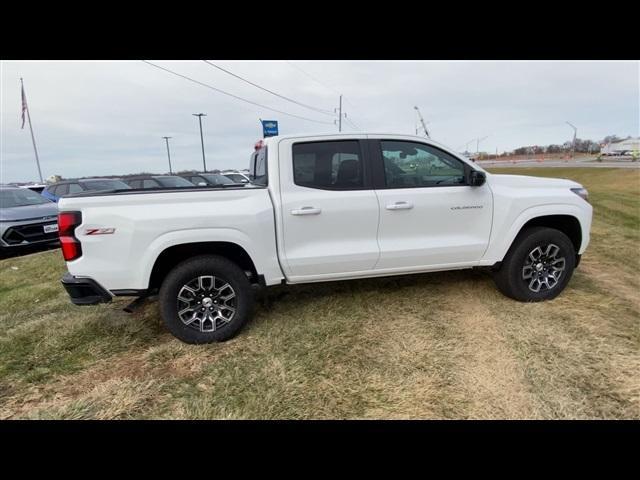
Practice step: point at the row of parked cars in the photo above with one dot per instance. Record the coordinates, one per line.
(55, 191)
(28, 215)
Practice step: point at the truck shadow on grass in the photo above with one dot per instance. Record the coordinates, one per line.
(393, 285)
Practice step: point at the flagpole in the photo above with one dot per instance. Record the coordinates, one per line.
(33, 139)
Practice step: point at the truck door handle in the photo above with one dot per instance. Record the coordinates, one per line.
(306, 211)
(400, 206)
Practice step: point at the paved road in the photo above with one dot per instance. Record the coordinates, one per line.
(562, 163)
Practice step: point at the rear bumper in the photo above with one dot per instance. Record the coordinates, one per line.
(85, 291)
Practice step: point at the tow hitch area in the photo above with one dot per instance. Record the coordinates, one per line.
(138, 302)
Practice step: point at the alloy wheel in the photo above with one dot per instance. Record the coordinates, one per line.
(543, 267)
(206, 303)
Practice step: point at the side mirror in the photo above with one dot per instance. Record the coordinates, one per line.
(477, 178)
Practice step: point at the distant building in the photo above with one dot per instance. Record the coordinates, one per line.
(620, 148)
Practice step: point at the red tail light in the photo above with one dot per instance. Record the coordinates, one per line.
(67, 223)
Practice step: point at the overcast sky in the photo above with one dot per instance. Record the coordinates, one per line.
(107, 118)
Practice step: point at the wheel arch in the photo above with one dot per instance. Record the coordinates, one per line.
(567, 224)
(175, 254)
(569, 219)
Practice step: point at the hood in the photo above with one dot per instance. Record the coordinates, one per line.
(525, 181)
(29, 212)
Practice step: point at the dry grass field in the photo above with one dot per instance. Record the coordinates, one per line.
(442, 345)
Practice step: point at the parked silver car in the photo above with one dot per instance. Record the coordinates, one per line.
(26, 218)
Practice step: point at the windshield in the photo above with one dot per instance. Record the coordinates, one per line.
(20, 198)
(218, 179)
(236, 177)
(104, 185)
(174, 182)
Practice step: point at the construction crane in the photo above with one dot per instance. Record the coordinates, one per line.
(424, 125)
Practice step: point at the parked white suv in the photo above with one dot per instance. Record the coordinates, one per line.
(321, 208)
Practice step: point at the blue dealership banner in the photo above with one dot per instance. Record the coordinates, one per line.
(269, 128)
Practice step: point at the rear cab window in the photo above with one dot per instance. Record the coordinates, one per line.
(258, 166)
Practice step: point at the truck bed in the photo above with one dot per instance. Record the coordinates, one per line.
(146, 222)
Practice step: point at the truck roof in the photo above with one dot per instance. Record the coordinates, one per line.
(360, 135)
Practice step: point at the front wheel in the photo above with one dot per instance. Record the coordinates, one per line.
(205, 299)
(538, 266)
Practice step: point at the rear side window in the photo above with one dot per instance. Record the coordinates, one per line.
(62, 189)
(74, 188)
(150, 184)
(328, 165)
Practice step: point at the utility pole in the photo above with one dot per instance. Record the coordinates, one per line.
(200, 115)
(339, 112)
(424, 125)
(168, 154)
(573, 144)
(25, 107)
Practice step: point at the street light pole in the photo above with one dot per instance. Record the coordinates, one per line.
(200, 115)
(478, 144)
(168, 154)
(573, 144)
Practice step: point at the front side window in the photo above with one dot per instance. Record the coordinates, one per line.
(411, 164)
(105, 185)
(173, 182)
(197, 180)
(236, 177)
(328, 165)
(62, 189)
(74, 188)
(148, 183)
(216, 179)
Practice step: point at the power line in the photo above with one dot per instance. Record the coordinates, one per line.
(321, 83)
(352, 123)
(235, 96)
(320, 110)
(313, 78)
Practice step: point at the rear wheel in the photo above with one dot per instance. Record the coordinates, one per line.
(205, 299)
(538, 266)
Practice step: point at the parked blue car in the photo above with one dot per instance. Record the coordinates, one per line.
(57, 190)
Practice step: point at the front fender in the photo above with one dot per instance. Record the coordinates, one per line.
(502, 239)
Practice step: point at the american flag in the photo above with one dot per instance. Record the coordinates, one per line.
(24, 105)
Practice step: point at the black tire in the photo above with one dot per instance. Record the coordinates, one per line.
(205, 266)
(509, 278)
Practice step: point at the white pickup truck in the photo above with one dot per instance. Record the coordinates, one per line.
(320, 208)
